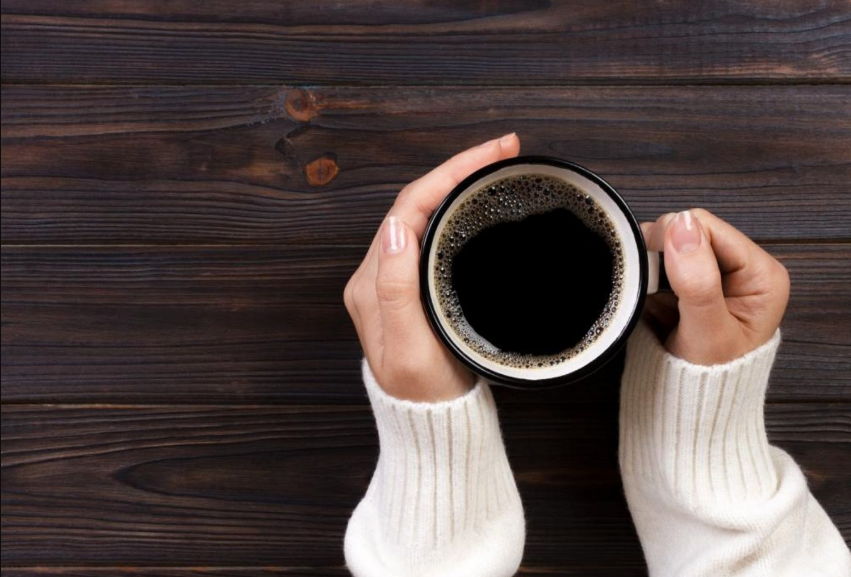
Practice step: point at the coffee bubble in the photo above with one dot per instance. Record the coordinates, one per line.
(514, 199)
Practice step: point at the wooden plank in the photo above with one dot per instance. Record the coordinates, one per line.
(179, 324)
(419, 42)
(242, 324)
(238, 485)
(265, 571)
(287, 571)
(107, 165)
(42, 571)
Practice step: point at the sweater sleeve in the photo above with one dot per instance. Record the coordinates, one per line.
(442, 501)
(709, 496)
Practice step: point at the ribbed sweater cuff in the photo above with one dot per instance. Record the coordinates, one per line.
(697, 430)
(442, 473)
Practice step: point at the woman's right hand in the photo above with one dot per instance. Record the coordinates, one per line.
(729, 294)
(383, 295)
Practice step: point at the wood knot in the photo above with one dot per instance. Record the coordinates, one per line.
(301, 105)
(320, 171)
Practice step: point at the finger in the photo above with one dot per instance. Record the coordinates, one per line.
(397, 288)
(363, 308)
(755, 283)
(459, 167)
(362, 304)
(654, 233)
(369, 264)
(428, 191)
(733, 249)
(747, 268)
(418, 200)
(365, 274)
(695, 277)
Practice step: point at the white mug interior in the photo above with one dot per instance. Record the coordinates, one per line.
(630, 289)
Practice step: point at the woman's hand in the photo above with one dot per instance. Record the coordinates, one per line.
(729, 294)
(383, 296)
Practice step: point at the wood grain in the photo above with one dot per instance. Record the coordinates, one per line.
(267, 324)
(260, 485)
(197, 410)
(247, 165)
(134, 571)
(418, 42)
(600, 571)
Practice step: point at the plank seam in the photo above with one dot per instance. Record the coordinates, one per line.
(667, 82)
(835, 242)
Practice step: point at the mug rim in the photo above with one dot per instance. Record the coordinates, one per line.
(442, 332)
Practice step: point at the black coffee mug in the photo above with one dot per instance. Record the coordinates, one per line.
(642, 274)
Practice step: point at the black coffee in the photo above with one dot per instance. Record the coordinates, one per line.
(528, 270)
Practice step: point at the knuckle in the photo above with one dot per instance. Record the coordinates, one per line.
(348, 294)
(393, 290)
(700, 212)
(353, 294)
(409, 200)
(698, 290)
(771, 273)
(782, 279)
(406, 190)
(360, 295)
(663, 220)
(404, 195)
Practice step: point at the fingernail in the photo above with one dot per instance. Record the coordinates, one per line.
(685, 232)
(506, 140)
(393, 238)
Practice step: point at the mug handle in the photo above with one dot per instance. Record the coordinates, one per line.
(657, 280)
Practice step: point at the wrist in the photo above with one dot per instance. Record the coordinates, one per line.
(443, 380)
(729, 344)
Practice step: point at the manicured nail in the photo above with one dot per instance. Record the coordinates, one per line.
(506, 140)
(393, 238)
(685, 232)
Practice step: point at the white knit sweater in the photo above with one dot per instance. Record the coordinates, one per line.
(708, 495)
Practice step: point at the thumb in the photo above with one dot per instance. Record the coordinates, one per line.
(695, 278)
(397, 288)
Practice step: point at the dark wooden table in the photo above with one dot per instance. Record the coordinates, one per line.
(186, 187)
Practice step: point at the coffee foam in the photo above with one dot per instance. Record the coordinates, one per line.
(513, 199)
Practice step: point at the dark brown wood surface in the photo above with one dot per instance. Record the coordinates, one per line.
(264, 324)
(157, 165)
(414, 42)
(186, 187)
(265, 571)
(203, 571)
(225, 485)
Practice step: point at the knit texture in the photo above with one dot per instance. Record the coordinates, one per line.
(708, 495)
(442, 500)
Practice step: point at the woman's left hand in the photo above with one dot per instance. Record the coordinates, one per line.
(383, 296)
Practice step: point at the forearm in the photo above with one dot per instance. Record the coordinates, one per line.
(442, 501)
(708, 495)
